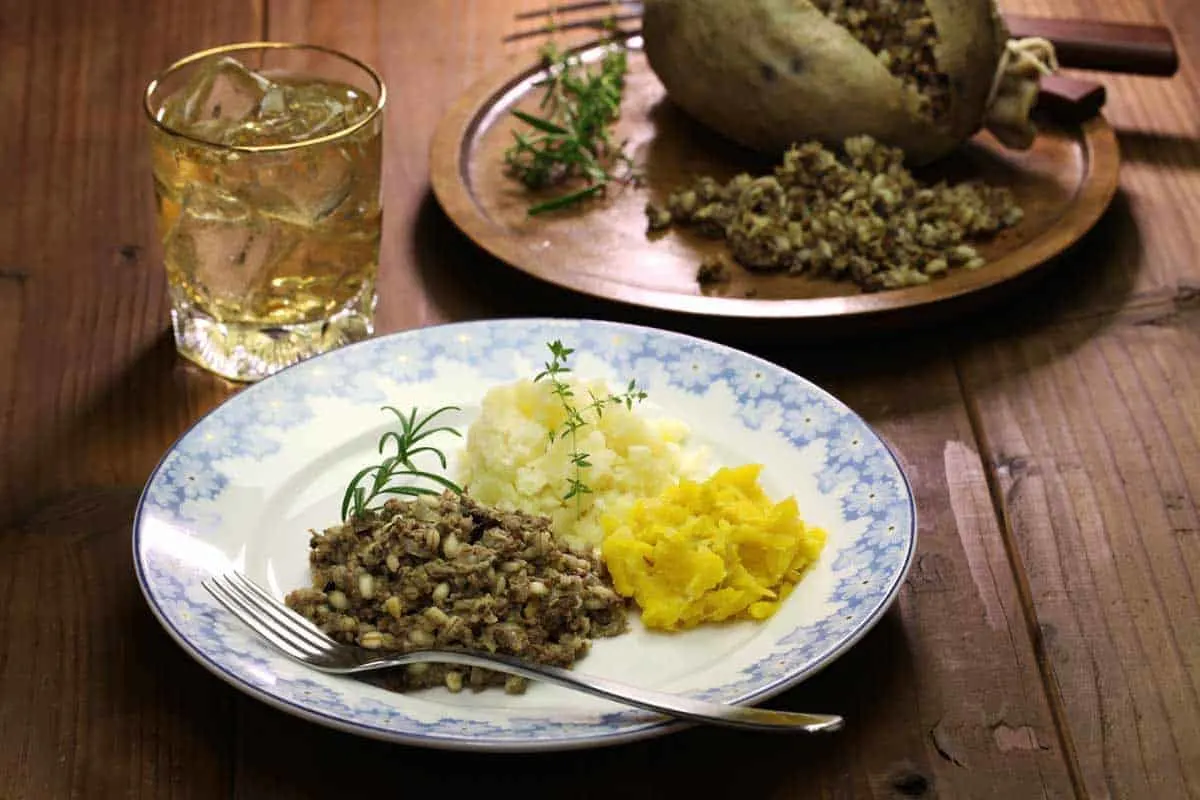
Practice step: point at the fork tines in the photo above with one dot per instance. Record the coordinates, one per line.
(618, 12)
(269, 618)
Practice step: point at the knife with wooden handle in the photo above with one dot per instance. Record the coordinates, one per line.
(1103, 46)
(1080, 43)
(1115, 47)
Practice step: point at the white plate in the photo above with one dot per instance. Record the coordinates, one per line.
(242, 488)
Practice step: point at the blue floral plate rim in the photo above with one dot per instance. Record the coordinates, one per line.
(621, 731)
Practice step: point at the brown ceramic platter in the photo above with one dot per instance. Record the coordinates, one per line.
(1064, 183)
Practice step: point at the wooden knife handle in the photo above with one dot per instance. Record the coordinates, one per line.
(1103, 46)
(1070, 100)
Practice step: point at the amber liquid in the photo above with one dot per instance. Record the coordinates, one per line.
(258, 245)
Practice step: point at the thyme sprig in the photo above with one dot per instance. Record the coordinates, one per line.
(378, 478)
(556, 372)
(573, 139)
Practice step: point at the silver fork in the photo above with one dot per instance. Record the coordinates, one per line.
(302, 641)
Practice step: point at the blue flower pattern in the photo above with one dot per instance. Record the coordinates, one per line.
(859, 469)
(807, 419)
(753, 381)
(692, 371)
(759, 414)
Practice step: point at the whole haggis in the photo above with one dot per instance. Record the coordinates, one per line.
(921, 75)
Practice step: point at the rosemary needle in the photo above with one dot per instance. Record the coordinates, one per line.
(375, 481)
(572, 140)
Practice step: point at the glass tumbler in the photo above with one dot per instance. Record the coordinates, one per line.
(267, 164)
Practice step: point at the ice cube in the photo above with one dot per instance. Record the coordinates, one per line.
(299, 111)
(319, 109)
(227, 103)
(315, 183)
(226, 250)
(218, 101)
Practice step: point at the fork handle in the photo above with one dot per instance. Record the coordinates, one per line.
(672, 705)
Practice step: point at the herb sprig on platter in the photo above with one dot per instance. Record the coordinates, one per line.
(572, 138)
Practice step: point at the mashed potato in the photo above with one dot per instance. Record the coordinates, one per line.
(510, 462)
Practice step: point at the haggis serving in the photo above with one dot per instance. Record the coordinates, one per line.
(446, 571)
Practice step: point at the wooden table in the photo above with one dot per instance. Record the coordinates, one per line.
(1047, 642)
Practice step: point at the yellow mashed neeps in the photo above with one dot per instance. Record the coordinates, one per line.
(709, 551)
(509, 461)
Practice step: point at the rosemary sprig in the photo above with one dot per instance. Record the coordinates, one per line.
(573, 139)
(556, 371)
(406, 440)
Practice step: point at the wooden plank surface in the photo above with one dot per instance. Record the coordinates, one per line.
(1089, 418)
(87, 403)
(96, 701)
(1095, 442)
(1055, 454)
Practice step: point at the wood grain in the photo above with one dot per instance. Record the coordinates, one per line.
(95, 699)
(1090, 422)
(78, 249)
(1094, 437)
(1158, 128)
(1045, 644)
